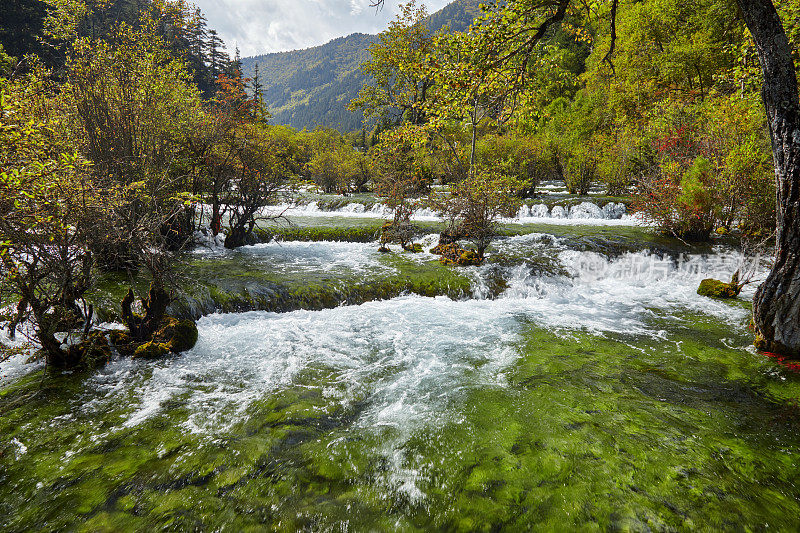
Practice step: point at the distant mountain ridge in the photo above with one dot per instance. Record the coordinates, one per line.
(306, 88)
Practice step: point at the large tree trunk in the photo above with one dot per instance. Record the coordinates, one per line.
(776, 308)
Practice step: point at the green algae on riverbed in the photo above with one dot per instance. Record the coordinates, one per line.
(417, 414)
(580, 431)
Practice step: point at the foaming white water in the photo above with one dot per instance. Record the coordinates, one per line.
(585, 213)
(400, 356)
(622, 295)
(584, 210)
(17, 365)
(407, 365)
(22, 348)
(562, 220)
(405, 355)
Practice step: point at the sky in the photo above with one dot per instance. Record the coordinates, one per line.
(263, 26)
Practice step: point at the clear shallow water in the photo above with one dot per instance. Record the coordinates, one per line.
(611, 397)
(296, 257)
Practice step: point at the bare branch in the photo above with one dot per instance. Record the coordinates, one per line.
(611, 48)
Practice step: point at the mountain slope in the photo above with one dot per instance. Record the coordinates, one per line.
(306, 88)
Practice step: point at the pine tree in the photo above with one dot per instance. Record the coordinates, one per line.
(236, 65)
(217, 57)
(256, 86)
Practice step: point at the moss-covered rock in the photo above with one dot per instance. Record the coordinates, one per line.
(454, 255)
(469, 257)
(123, 342)
(178, 335)
(151, 350)
(718, 289)
(415, 248)
(174, 335)
(784, 354)
(93, 352)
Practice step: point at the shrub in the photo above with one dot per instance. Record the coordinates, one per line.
(712, 170)
(53, 210)
(475, 205)
(580, 172)
(530, 159)
(401, 178)
(687, 205)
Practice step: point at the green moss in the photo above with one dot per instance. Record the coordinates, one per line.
(717, 289)
(151, 350)
(571, 431)
(178, 335)
(364, 233)
(185, 336)
(584, 432)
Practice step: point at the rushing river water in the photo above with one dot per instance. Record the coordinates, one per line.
(583, 391)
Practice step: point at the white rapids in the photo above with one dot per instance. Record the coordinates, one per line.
(408, 355)
(585, 213)
(409, 362)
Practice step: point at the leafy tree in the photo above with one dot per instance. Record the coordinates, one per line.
(336, 166)
(212, 151)
(401, 178)
(528, 158)
(53, 209)
(134, 103)
(262, 177)
(725, 137)
(399, 84)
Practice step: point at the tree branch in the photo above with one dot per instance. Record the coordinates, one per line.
(611, 48)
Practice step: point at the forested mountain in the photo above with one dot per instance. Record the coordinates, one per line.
(27, 27)
(304, 88)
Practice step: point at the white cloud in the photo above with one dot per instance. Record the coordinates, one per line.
(263, 26)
